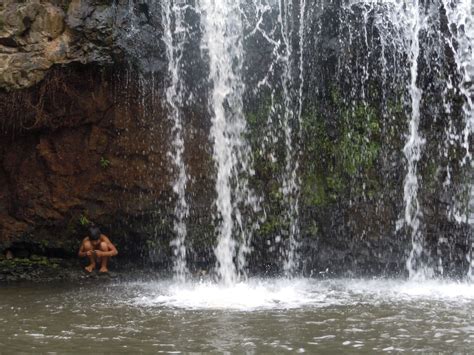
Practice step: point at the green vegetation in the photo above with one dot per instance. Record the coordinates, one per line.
(339, 152)
(84, 221)
(104, 162)
(351, 155)
(340, 146)
(32, 262)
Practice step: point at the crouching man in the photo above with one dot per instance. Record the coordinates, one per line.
(98, 248)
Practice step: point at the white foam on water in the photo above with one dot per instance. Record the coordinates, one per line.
(405, 290)
(252, 295)
(268, 294)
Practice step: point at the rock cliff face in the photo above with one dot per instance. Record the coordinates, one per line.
(84, 137)
(36, 35)
(78, 155)
(74, 144)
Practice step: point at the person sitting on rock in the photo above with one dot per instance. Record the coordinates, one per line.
(98, 248)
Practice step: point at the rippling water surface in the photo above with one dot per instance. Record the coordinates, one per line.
(363, 316)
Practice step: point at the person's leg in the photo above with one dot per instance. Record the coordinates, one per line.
(91, 266)
(104, 259)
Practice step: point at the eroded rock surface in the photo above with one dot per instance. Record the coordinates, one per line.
(36, 35)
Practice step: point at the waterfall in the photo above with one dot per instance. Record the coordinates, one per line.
(222, 28)
(173, 12)
(280, 25)
(399, 25)
(460, 17)
(412, 149)
(292, 123)
(410, 33)
(257, 64)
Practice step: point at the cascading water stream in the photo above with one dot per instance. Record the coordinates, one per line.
(460, 16)
(412, 149)
(461, 26)
(292, 118)
(283, 81)
(396, 33)
(399, 25)
(222, 28)
(289, 175)
(413, 28)
(174, 38)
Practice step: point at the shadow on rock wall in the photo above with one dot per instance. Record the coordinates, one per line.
(73, 149)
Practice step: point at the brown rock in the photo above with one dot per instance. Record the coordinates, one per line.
(51, 174)
(49, 22)
(34, 36)
(98, 140)
(65, 153)
(11, 227)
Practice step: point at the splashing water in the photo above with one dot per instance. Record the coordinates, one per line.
(259, 316)
(264, 294)
(244, 296)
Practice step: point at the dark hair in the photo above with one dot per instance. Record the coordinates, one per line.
(94, 232)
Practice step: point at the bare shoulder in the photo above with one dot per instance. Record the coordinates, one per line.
(86, 239)
(104, 238)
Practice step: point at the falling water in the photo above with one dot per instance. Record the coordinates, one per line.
(283, 81)
(461, 26)
(222, 42)
(398, 31)
(460, 40)
(398, 24)
(174, 37)
(412, 149)
(291, 123)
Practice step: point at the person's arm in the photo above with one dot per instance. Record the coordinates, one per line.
(82, 253)
(112, 249)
